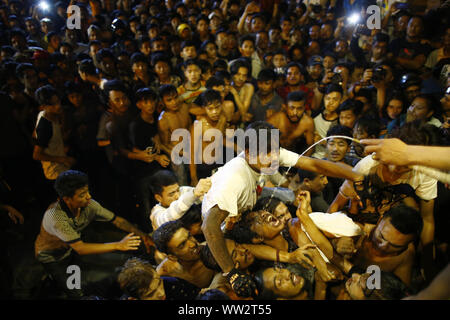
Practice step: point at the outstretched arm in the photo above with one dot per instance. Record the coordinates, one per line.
(215, 239)
(124, 225)
(328, 168)
(394, 151)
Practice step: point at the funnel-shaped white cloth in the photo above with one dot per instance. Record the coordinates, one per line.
(336, 223)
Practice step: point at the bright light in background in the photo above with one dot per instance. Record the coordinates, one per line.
(44, 5)
(354, 18)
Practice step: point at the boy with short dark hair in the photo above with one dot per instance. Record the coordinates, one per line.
(328, 117)
(349, 111)
(174, 116)
(366, 127)
(49, 148)
(337, 151)
(218, 83)
(173, 201)
(266, 101)
(201, 164)
(144, 142)
(140, 68)
(59, 243)
(247, 50)
(193, 85)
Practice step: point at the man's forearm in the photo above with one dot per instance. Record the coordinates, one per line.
(216, 241)
(436, 157)
(124, 225)
(328, 168)
(83, 248)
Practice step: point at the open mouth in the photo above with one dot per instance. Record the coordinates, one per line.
(270, 219)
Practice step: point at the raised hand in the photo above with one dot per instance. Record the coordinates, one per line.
(202, 187)
(302, 256)
(345, 246)
(129, 242)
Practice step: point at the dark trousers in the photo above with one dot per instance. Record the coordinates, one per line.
(146, 202)
(98, 274)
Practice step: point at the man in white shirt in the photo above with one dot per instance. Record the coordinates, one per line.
(173, 201)
(235, 188)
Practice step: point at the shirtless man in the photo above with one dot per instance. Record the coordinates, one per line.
(183, 259)
(390, 244)
(174, 116)
(293, 122)
(214, 118)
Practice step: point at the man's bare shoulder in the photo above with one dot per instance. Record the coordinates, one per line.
(277, 117)
(307, 120)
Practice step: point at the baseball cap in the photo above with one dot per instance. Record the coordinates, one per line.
(315, 60)
(182, 26)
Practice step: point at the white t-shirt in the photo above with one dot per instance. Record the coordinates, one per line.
(233, 186)
(322, 126)
(424, 186)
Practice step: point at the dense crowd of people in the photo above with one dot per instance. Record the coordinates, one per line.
(94, 119)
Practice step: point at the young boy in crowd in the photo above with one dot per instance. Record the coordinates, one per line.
(218, 83)
(327, 118)
(188, 51)
(241, 90)
(49, 148)
(206, 69)
(145, 142)
(266, 101)
(173, 201)
(349, 111)
(202, 163)
(296, 126)
(193, 85)
(337, 149)
(174, 116)
(247, 50)
(366, 127)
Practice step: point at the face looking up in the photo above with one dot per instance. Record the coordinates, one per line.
(282, 282)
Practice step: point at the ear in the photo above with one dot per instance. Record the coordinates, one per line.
(131, 298)
(158, 198)
(284, 106)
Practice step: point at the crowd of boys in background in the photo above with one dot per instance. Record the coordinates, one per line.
(90, 113)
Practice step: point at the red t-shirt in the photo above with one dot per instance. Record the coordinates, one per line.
(284, 91)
